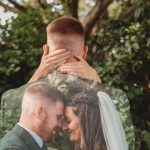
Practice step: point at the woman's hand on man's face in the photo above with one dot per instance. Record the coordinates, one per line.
(50, 61)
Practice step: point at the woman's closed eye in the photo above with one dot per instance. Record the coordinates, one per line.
(68, 120)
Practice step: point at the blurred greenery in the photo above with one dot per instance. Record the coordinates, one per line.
(119, 51)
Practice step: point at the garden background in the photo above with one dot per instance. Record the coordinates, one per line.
(118, 35)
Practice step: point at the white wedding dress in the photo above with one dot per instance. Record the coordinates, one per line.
(111, 125)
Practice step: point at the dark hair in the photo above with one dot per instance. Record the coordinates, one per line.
(87, 109)
(66, 25)
(44, 90)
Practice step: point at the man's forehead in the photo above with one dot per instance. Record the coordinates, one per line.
(59, 107)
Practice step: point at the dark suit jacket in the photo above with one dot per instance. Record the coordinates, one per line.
(18, 139)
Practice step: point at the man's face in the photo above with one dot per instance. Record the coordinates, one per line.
(52, 120)
(73, 42)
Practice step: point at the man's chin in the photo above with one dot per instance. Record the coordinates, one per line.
(49, 138)
(52, 137)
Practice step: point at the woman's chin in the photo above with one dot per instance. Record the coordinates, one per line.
(72, 139)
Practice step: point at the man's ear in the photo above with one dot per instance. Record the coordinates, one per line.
(45, 49)
(40, 112)
(84, 51)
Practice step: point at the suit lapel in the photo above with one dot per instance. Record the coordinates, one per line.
(26, 137)
(43, 147)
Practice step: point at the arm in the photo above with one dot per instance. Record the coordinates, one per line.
(81, 69)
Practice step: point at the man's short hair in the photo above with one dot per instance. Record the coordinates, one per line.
(44, 90)
(66, 25)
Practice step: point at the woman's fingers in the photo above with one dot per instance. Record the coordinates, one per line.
(57, 52)
(65, 55)
(52, 57)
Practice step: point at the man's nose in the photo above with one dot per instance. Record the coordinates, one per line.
(64, 126)
(59, 124)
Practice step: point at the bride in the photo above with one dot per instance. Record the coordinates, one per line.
(92, 122)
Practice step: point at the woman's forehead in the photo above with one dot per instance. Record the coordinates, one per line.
(69, 110)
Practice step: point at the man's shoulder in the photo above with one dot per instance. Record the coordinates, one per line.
(13, 147)
(9, 146)
(11, 141)
(17, 139)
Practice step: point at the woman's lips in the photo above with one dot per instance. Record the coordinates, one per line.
(69, 132)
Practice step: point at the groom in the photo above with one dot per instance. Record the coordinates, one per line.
(42, 109)
(66, 35)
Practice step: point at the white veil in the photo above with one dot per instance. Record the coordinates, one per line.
(112, 127)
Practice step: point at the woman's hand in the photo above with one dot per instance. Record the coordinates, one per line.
(50, 62)
(80, 68)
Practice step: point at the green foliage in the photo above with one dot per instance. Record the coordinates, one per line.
(21, 47)
(121, 55)
(119, 52)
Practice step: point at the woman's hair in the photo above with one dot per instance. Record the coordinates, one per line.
(87, 109)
